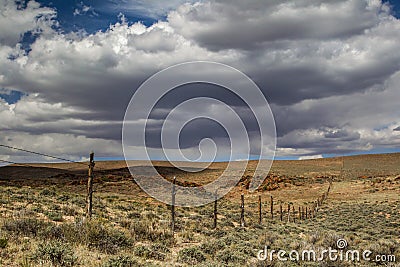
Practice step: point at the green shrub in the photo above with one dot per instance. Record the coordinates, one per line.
(37, 208)
(211, 248)
(245, 248)
(55, 253)
(121, 261)
(192, 255)
(155, 252)
(105, 239)
(150, 215)
(219, 233)
(210, 264)
(63, 198)
(3, 242)
(54, 216)
(79, 201)
(24, 226)
(157, 255)
(160, 247)
(230, 239)
(143, 230)
(53, 232)
(55, 207)
(229, 256)
(122, 207)
(133, 215)
(141, 251)
(94, 234)
(69, 211)
(48, 193)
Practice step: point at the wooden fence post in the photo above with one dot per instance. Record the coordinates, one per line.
(215, 210)
(281, 212)
(272, 208)
(300, 214)
(173, 193)
(89, 198)
(259, 210)
(288, 213)
(307, 212)
(242, 222)
(294, 214)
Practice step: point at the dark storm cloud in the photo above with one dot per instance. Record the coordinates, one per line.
(342, 135)
(216, 25)
(323, 141)
(329, 69)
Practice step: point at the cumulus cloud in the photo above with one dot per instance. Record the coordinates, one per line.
(36, 125)
(330, 69)
(311, 157)
(83, 9)
(223, 24)
(16, 20)
(147, 8)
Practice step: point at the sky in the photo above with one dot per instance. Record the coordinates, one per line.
(329, 69)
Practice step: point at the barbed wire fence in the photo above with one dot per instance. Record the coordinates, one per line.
(90, 165)
(277, 209)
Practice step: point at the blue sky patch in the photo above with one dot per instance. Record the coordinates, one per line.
(395, 4)
(10, 96)
(92, 16)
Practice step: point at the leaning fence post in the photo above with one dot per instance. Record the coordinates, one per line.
(259, 210)
(89, 198)
(173, 193)
(215, 210)
(242, 222)
(272, 208)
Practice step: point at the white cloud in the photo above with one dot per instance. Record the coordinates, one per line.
(15, 22)
(73, 147)
(83, 9)
(216, 24)
(330, 68)
(311, 157)
(146, 8)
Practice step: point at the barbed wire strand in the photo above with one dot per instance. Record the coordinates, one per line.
(46, 155)
(16, 163)
(41, 154)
